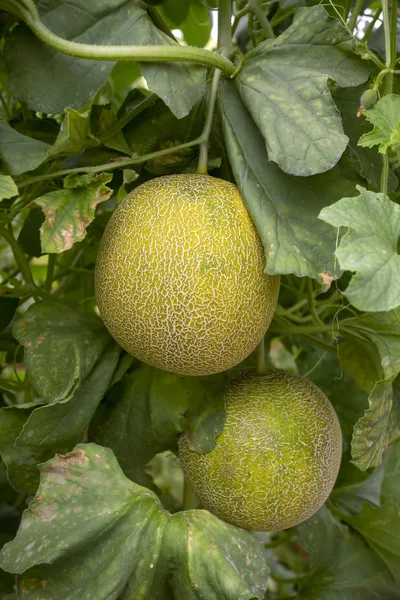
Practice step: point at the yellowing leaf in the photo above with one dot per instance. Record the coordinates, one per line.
(69, 211)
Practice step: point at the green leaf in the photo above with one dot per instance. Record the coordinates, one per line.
(141, 416)
(144, 415)
(69, 211)
(62, 345)
(75, 134)
(58, 427)
(284, 84)
(369, 247)
(111, 526)
(371, 349)
(373, 432)
(196, 27)
(366, 161)
(385, 117)
(341, 564)
(371, 354)
(350, 499)
(20, 153)
(12, 420)
(380, 527)
(391, 481)
(48, 81)
(8, 189)
(206, 413)
(284, 208)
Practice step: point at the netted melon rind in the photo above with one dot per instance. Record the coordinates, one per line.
(180, 276)
(277, 459)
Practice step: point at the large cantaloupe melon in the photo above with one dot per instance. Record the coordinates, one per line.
(277, 458)
(180, 276)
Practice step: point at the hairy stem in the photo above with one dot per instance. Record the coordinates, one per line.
(139, 53)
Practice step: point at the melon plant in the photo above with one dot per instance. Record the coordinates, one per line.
(180, 276)
(199, 300)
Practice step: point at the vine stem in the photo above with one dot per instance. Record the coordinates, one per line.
(354, 15)
(225, 47)
(384, 174)
(390, 29)
(370, 27)
(110, 166)
(205, 136)
(52, 259)
(311, 303)
(19, 256)
(261, 364)
(262, 19)
(118, 53)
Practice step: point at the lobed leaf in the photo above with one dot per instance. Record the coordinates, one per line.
(284, 208)
(369, 247)
(105, 524)
(385, 117)
(69, 211)
(47, 80)
(284, 84)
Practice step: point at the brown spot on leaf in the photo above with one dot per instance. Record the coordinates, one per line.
(326, 279)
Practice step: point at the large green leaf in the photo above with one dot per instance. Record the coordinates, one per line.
(284, 84)
(284, 208)
(88, 517)
(62, 345)
(141, 416)
(341, 564)
(49, 81)
(369, 247)
(71, 360)
(20, 153)
(69, 211)
(144, 414)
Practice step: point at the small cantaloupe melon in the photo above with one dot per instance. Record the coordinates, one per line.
(277, 458)
(180, 276)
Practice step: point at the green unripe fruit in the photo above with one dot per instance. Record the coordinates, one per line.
(277, 458)
(180, 280)
(368, 98)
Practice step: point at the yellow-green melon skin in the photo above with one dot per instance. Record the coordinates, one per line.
(180, 280)
(277, 458)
